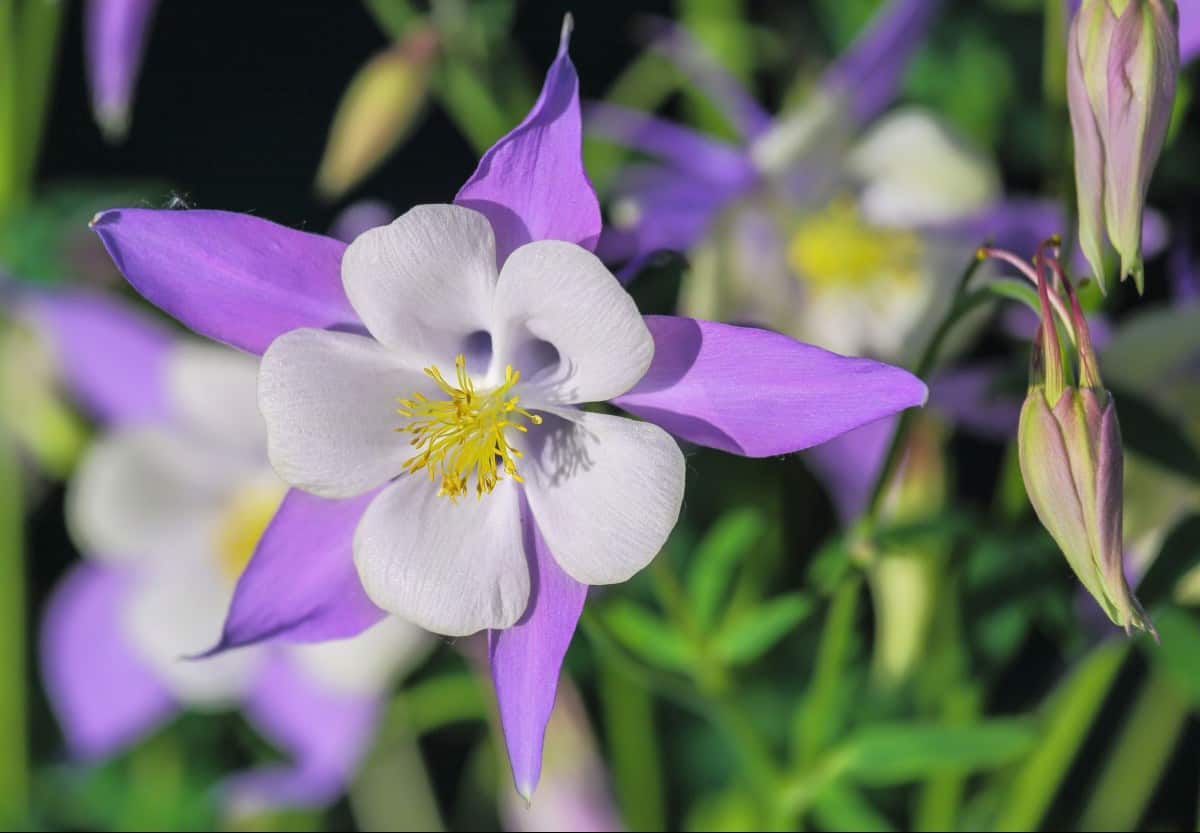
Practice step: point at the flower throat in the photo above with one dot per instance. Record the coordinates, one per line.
(463, 435)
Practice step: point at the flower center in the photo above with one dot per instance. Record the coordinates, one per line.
(463, 435)
(243, 524)
(837, 247)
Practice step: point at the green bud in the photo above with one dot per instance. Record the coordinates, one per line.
(1122, 68)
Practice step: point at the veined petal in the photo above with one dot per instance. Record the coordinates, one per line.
(213, 393)
(758, 393)
(453, 568)
(424, 284)
(116, 38)
(605, 492)
(709, 160)
(301, 584)
(559, 294)
(324, 733)
(526, 659)
(138, 493)
(232, 277)
(111, 357)
(330, 400)
(103, 693)
(869, 74)
(531, 184)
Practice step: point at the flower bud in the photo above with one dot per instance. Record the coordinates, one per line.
(1071, 457)
(376, 112)
(1122, 66)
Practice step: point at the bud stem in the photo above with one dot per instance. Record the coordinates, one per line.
(963, 303)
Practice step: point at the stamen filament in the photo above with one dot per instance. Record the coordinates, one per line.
(463, 436)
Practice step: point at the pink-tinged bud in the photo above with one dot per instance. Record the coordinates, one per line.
(376, 112)
(1122, 67)
(1070, 450)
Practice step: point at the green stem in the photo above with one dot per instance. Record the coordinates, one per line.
(633, 755)
(41, 21)
(1067, 720)
(470, 103)
(14, 752)
(962, 304)
(1138, 757)
(10, 145)
(815, 721)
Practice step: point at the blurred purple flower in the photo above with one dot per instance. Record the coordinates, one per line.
(116, 33)
(827, 223)
(167, 506)
(430, 285)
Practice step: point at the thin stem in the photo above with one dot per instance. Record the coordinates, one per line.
(14, 753)
(962, 304)
(633, 753)
(1024, 268)
(10, 144)
(41, 21)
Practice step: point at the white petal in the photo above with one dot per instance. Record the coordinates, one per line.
(605, 492)
(558, 295)
(369, 662)
(451, 568)
(139, 492)
(213, 392)
(915, 172)
(177, 612)
(424, 284)
(330, 400)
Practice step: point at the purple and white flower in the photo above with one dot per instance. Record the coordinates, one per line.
(167, 506)
(423, 393)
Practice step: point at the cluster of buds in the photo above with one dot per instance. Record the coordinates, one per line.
(1069, 442)
(1122, 66)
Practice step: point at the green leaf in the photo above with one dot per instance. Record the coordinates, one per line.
(392, 16)
(1148, 431)
(900, 753)
(840, 807)
(439, 701)
(728, 542)
(648, 637)
(755, 632)
(1179, 635)
(1180, 552)
(1015, 290)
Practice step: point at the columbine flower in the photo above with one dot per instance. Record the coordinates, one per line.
(168, 506)
(819, 222)
(1070, 445)
(116, 37)
(1122, 65)
(431, 373)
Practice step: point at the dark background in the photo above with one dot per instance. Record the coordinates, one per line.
(235, 99)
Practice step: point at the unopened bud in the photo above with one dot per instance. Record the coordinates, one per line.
(376, 112)
(1122, 67)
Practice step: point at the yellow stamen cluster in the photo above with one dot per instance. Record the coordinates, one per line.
(463, 435)
(837, 247)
